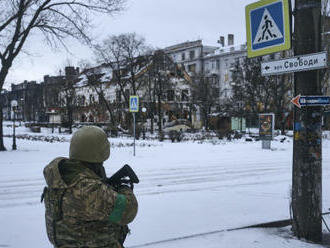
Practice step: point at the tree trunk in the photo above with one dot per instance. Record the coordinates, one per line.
(206, 124)
(307, 146)
(152, 109)
(3, 75)
(2, 146)
(107, 105)
(70, 119)
(159, 114)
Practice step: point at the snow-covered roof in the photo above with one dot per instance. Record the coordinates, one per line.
(104, 70)
(227, 50)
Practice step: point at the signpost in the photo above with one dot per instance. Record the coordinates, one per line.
(268, 27)
(266, 129)
(302, 101)
(299, 63)
(306, 191)
(133, 108)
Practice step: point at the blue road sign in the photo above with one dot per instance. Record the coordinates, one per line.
(133, 104)
(268, 27)
(301, 101)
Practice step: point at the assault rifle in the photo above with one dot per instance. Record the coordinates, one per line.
(124, 176)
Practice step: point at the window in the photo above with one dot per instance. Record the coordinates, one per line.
(170, 95)
(192, 68)
(218, 64)
(213, 64)
(192, 54)
(184, 95)
(183, 56)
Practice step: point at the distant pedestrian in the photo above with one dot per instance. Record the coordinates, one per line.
(81, 210)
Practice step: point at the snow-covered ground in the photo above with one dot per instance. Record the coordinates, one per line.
(186, 189)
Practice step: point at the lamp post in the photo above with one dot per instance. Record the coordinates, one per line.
(22, 111)
(14, 107)
(144, 120)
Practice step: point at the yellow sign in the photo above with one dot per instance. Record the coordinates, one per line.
(268, 27)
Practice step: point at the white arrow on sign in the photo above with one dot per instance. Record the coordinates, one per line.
(299, 63)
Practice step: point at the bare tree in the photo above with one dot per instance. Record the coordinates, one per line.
(125, 54)
(254, 93)
(205, 94)
(247, 85)
(134, 49)
(54, 19)
(69, 97)
(159, 86)
(94, 80)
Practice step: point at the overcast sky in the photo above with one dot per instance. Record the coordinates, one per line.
(161, 22)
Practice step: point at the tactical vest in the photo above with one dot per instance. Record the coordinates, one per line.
(66, 232)
(53, 203)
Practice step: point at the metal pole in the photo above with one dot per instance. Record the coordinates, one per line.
(307, 145)
(134, 133)
(14, 135)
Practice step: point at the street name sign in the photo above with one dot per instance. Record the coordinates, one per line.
(268, 27)
(302, 101)
(133, 104)
(299, 63)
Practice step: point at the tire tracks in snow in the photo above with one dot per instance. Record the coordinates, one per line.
(21, 192)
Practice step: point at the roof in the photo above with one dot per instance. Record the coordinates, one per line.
(105, 71)
(183, 46)
(227, 50)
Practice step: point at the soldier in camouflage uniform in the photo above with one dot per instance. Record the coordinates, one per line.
(81, 210)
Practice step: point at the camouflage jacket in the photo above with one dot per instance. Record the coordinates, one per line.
(82, 211)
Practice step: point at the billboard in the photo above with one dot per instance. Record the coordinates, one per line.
(266, 126)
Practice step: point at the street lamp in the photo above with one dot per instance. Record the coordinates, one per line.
(22, 111)
(14, 107)
(144, 120)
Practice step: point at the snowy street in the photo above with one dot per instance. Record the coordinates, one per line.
(165, 124)
(185, 189)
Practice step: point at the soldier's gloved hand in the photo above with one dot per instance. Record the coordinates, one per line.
(125, 189)
(126, 182)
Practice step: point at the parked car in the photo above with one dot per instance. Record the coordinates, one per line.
(177, 125)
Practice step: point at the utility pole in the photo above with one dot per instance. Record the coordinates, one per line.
(307, 146)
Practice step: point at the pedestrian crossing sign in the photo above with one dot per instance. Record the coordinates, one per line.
(268, 27)
(133, 104)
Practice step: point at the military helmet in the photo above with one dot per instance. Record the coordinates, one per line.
(89, 144)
